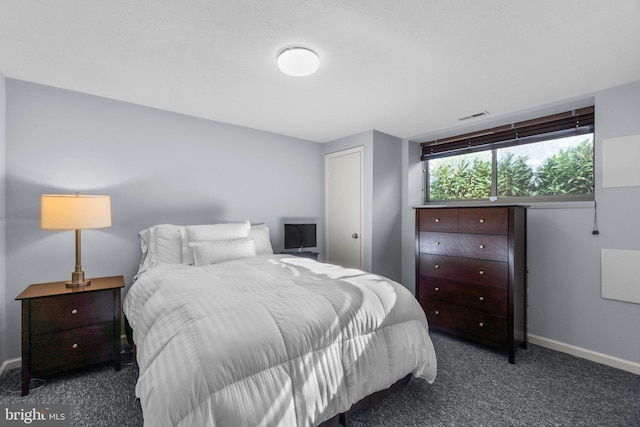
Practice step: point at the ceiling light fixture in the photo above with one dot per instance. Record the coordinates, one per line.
(298, 61)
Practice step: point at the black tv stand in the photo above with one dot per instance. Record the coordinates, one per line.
(303, 254)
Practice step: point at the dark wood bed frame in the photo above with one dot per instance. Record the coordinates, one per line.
(339, 419)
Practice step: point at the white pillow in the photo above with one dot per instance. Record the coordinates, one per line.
(212, 232)
(260, 234)
(145, 259)
(165, 244)
(213, 252)
(160, 244)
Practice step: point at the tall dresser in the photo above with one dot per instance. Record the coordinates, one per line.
(471, 272)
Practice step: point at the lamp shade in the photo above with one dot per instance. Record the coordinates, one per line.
(74, 212)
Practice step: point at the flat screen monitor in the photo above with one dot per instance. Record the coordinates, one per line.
(298, 236)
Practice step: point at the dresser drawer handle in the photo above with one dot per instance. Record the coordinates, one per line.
(437, 219)
(436, 289)
(481, 220)
(437, 312)
(481, 246)
(481, 298)
(436, 266)
(481, 324)
(482, 272)
(74, 311)
(74, 346)
(437, 243)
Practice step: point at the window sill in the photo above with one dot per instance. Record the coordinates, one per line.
(586, 204)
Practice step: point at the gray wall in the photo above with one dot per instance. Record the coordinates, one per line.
(163, 167)
(381, 239)
(385, 205)
(565, 302)
(3, 223)
(158, 167)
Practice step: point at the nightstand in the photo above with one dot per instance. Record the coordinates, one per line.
(68, 328)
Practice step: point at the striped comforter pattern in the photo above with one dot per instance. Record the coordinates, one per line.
(270, 341)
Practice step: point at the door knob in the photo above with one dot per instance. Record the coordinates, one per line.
(354, 235)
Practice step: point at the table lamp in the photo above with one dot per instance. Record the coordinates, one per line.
(75, 212)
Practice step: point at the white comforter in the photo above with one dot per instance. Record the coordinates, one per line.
(270, 341)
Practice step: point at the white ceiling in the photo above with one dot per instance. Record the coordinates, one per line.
(403, 67)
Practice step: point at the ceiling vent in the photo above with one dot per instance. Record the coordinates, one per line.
(473, 116)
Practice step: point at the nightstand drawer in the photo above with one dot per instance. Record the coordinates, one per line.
(62, 312)
(72, 347)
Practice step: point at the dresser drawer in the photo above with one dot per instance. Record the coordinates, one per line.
(469, 321)
(483, 298)
(73, 347)
(71, 311)
(438, 220)
(484, 220)
(478, 272)
(481, 246)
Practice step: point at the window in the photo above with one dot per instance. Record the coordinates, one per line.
(546, 159)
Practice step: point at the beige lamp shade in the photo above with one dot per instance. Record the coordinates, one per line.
(74, 212)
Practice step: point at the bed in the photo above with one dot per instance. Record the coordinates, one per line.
(228, 333)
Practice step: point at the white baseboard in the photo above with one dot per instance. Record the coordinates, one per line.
(10, 364)
(583, 353)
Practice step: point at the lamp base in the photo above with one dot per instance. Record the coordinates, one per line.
(78, 284)
(77, 280)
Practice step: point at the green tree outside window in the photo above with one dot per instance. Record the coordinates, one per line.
(530, 170)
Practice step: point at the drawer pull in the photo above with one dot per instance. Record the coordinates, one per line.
(437, 312)
(481, 246)
(481, 324)
(437, 243)
(436, 266)
(482, 272)
(481, 298)
(74, 346)
(74, 311)
(436, 289)
(437, 219)
(481, 220)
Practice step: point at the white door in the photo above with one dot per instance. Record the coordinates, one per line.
(344, 200)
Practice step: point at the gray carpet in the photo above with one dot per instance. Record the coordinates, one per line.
(98, 396)
(475, 387)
